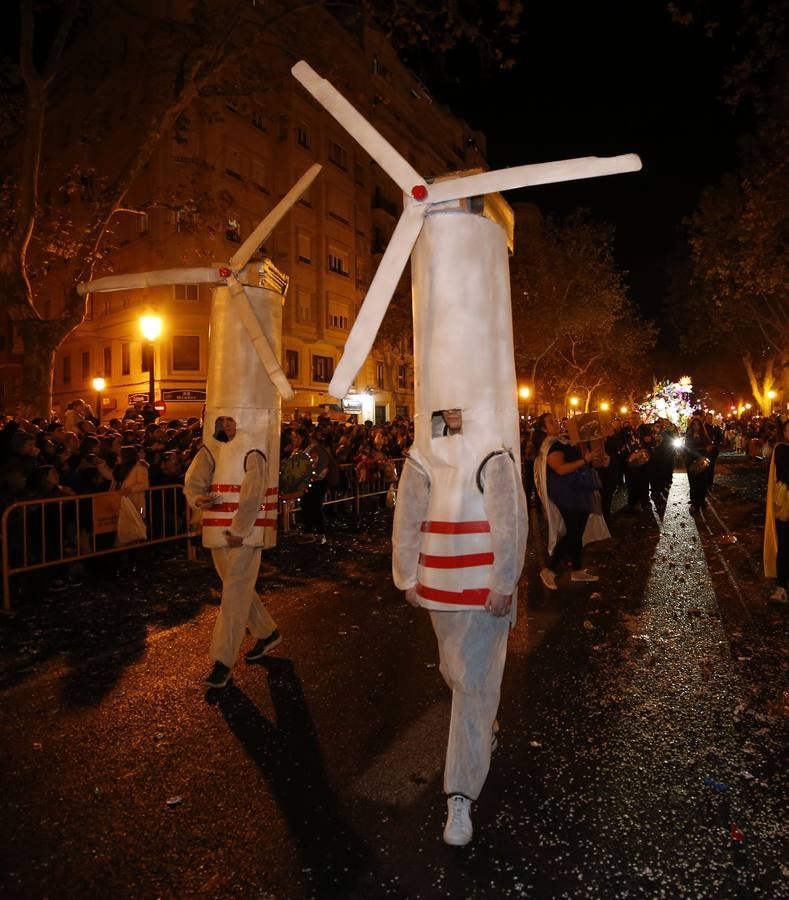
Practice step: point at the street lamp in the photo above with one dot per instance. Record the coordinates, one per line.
(151, 327)
(623, 410)
(605, 406)
(98, 387)
(525, 393)
(574, 404)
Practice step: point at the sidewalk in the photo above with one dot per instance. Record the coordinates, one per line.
(318, 773)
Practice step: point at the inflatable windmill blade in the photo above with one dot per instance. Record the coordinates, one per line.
(414, 187)
(225, 275)
(420, 197)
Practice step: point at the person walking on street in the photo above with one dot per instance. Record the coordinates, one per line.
(238, 508)
(776, 523)
(568, 486)
(458, 551)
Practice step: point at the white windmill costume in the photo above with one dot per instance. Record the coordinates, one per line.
(460, 521)
(245, 382)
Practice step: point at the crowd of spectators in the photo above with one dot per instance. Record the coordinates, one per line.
(76, 454)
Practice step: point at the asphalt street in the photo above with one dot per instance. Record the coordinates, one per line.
(641, 752)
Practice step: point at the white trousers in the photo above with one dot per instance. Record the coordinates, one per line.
(472, 648)
(241, 607)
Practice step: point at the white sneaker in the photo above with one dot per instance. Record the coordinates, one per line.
(458, 830)
(583, 575)
(779, 595)
(548, 578)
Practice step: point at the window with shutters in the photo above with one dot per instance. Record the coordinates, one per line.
(292, 363)
(379, 375)
(339, 261)
(186, 352)
(338, 155)
(304, 305)
(338, 314)
(322, 369)
(232, 162)
(304, 244)
(125, 359)
(190, 292)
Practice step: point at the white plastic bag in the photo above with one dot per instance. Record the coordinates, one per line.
(131, 525)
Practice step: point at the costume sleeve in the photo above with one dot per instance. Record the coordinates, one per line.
(505, 509)
(198, 476)
(253, 489)
(413, 493)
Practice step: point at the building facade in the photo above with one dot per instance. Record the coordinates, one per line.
(230, 159)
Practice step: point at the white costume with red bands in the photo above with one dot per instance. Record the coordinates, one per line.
(460, 522)
(243, 471)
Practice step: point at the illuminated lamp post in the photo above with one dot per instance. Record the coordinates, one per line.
(98, 386)
(574, 404)
(771, 395)
(623, 410)
(151, 328)
(605, 406)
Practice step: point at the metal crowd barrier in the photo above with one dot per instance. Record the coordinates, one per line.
(348, 490)
(39, 534)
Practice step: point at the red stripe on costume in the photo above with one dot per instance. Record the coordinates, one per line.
(465, 561)
(456, 527)
(270, 492)
(470, 597)
(231, 488)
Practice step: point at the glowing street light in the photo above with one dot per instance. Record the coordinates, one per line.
(98, 386)
(574, 404)
(151, 328)
(623, 410)
(524, 393)
(772, 395)
(605, 406)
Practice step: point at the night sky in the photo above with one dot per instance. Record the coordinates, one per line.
(600, 79)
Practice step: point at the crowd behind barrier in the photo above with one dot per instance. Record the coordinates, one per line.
(54, 472)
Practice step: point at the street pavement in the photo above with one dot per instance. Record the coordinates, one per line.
(643, 726)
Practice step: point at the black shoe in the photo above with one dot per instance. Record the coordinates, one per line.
(263, 645)
(219, 677)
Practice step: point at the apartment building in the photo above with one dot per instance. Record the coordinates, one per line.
(227, 163)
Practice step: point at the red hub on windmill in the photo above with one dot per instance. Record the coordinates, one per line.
(419, 192)
(224, 272)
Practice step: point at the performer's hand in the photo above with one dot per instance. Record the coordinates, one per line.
(233, 540)
(204, 500)
(498, 604)
(410, 596)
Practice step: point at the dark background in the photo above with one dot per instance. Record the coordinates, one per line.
(601, 79)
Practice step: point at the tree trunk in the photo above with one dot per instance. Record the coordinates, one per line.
(761, 383)
(41, 339)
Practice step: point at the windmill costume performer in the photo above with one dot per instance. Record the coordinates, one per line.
(460, 523)
(234, 477)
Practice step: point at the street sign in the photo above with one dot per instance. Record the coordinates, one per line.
(176, 395)
(160, 406)
(139, 397)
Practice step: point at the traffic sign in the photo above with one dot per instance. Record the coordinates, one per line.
(160, 406)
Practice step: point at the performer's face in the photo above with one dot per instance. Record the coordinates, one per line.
(453, 419)
(228, 425)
